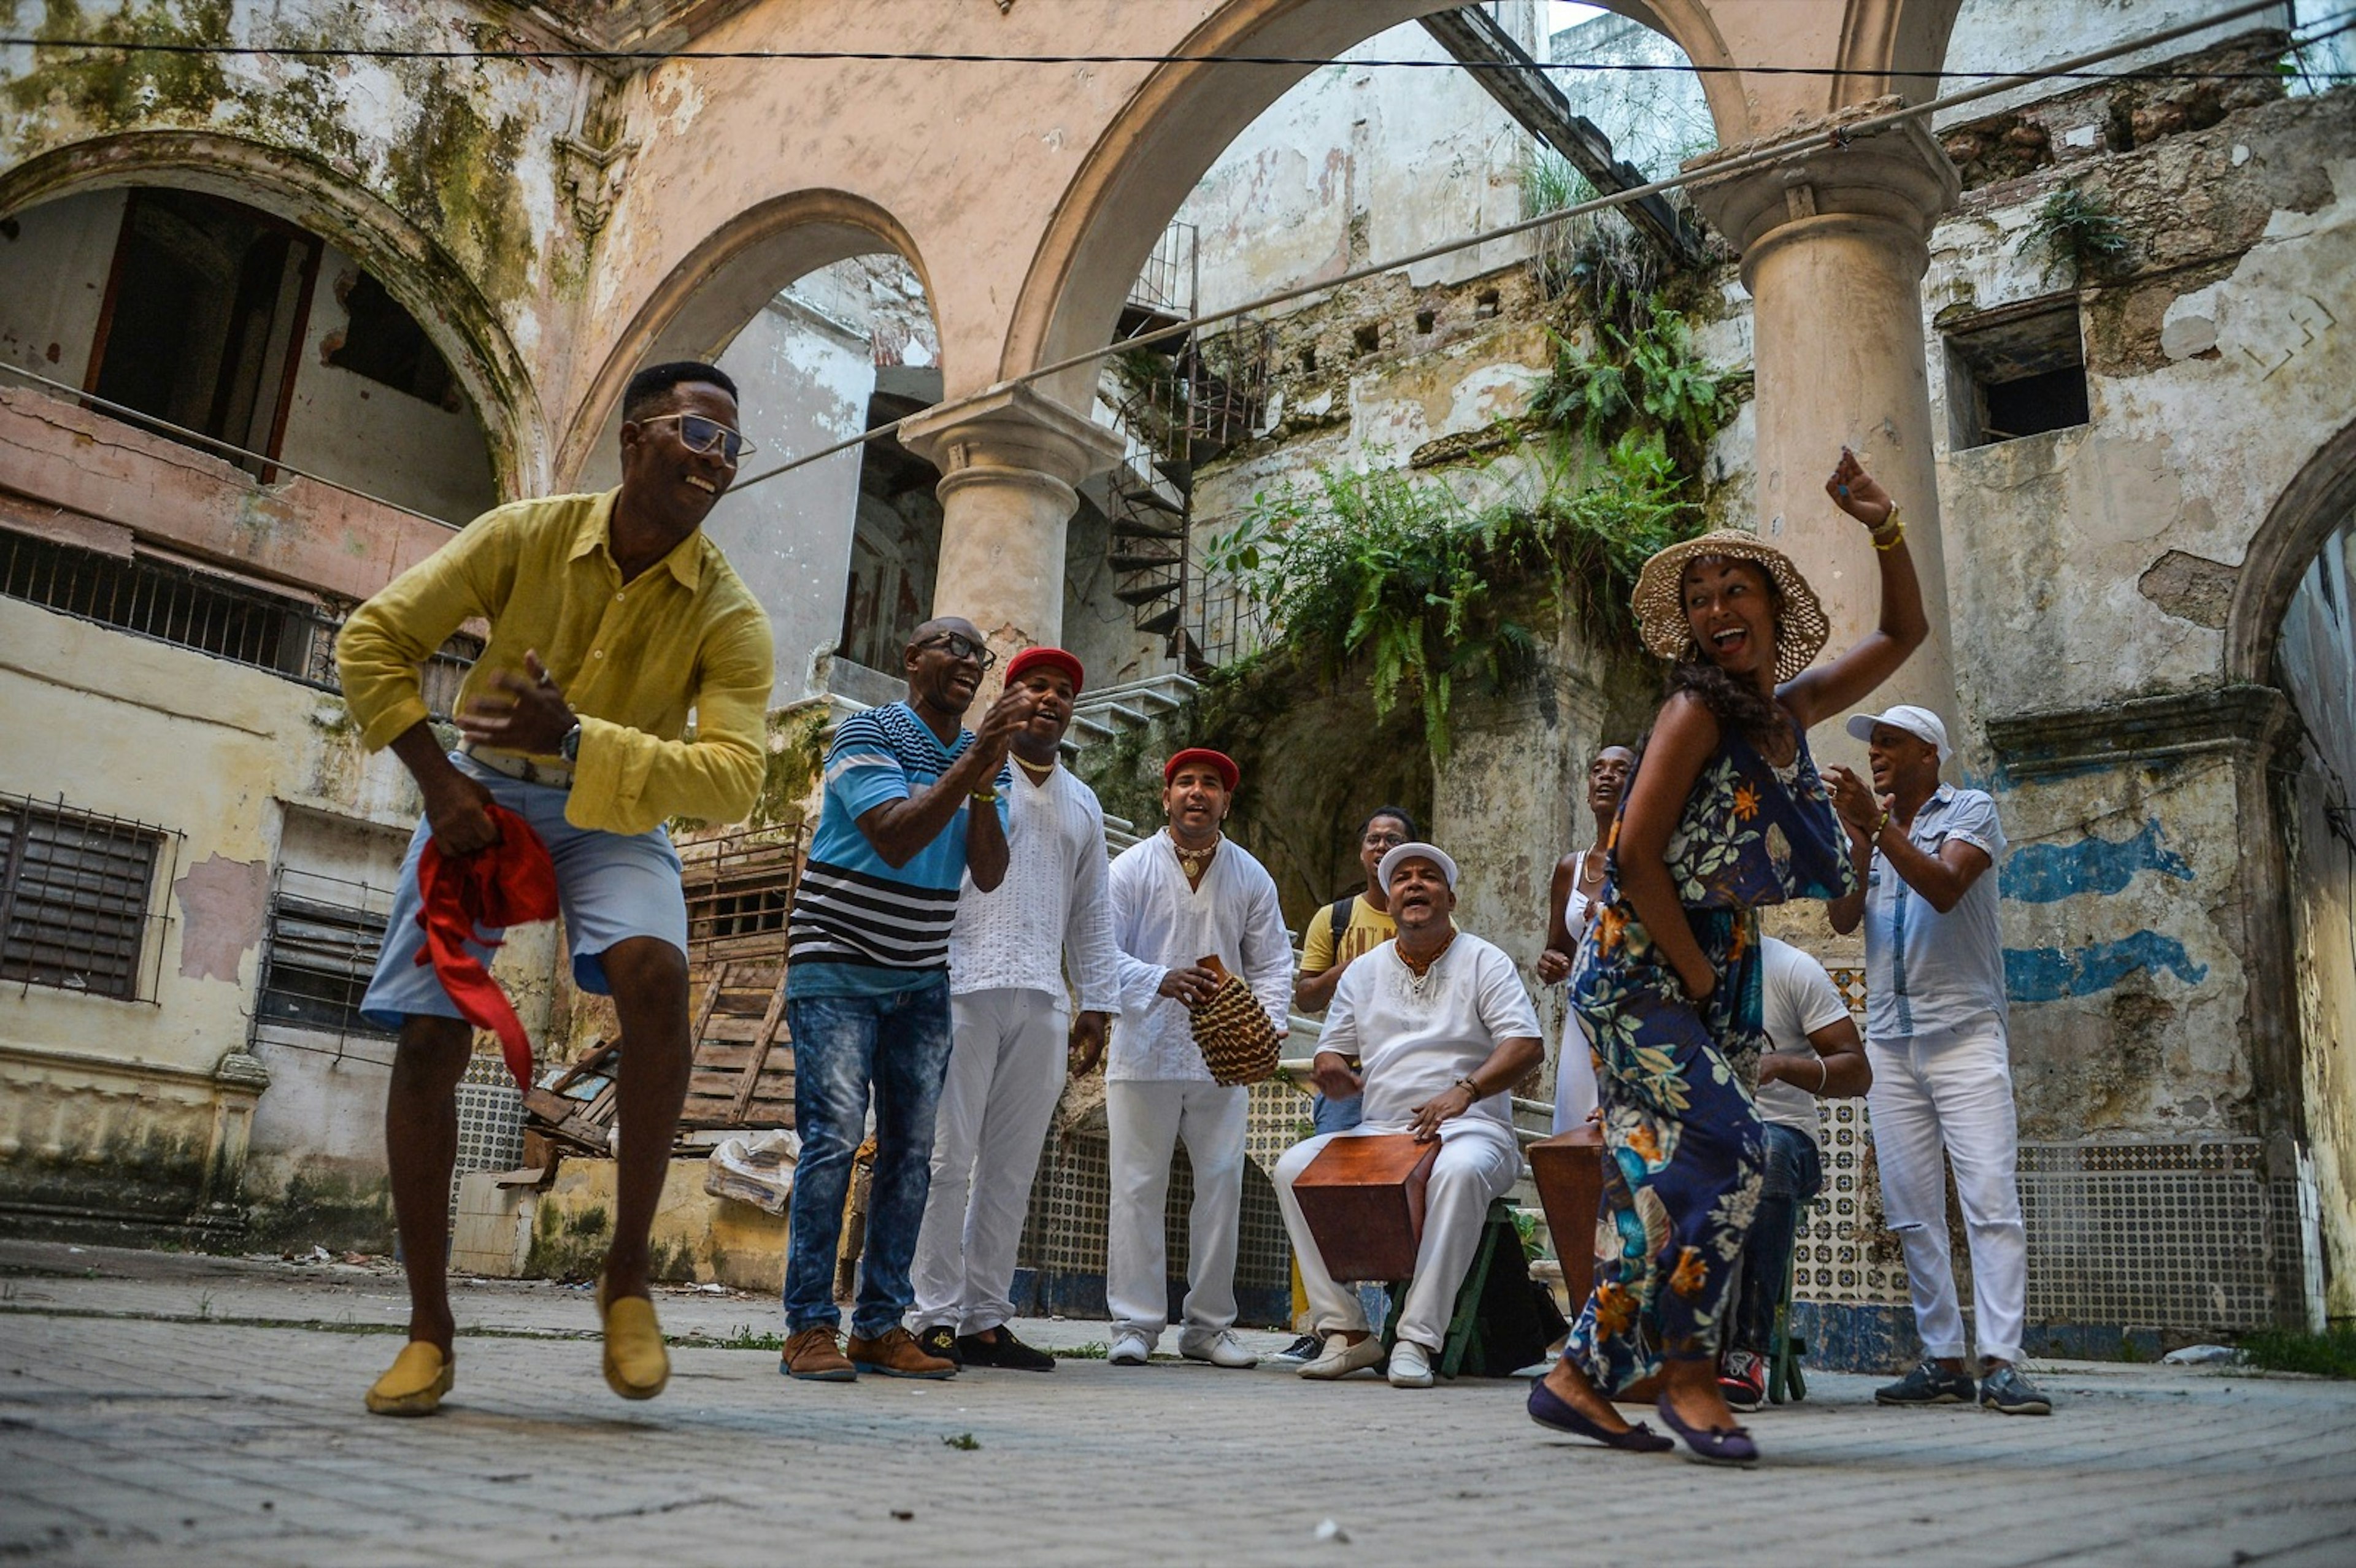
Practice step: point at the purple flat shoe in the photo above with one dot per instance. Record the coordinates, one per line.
(1709, 1444)
(1548, 1408)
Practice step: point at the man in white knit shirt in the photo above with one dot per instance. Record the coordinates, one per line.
(1010, 1018)
(1186, 894)
(1444, 1028)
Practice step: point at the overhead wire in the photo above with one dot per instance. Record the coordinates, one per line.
(1711, 171)
(538, 54)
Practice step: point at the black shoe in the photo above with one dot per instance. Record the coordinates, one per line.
(2006, 1392)
(1929, 1383)
(1005, 1350)
(942, 1341)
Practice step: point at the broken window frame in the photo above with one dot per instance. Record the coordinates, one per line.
(92, 880)
(305, 249)
(2006, 347)
(743, 882)
(319, 948)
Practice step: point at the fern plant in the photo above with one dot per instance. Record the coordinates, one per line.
(2078, 230)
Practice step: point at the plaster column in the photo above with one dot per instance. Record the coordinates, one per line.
(1008, 463)
(1833, 237)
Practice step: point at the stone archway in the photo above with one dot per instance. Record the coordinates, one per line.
(2320, 498)
(422, 277)
(720, 283)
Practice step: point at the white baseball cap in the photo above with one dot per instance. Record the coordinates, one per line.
(1918, 722)
(1399, 854)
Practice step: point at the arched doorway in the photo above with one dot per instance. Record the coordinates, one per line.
(2292, 625)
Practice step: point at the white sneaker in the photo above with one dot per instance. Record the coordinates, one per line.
(1129, 1350)
(1341, 1358)
(1410, 1365)
(1222, 1351)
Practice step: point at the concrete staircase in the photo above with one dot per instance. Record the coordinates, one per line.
(1104, 713)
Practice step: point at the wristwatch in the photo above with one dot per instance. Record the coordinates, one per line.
(570, 747)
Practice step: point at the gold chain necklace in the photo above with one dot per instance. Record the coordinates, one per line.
(1194, 862)
(1038, 775)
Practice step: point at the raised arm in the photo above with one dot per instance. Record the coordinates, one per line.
(899, 829)
(1817, 694)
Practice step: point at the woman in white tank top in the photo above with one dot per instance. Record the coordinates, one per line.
(1578, 877)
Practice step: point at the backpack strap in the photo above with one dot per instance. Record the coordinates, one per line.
(1340, 917)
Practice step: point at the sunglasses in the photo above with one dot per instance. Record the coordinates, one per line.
(959, 647)
(699, 435)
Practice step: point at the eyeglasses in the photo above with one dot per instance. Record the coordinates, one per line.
(697, 433)
(1385, 840)
(959, 646)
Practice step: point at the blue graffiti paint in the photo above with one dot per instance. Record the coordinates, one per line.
(2050, 973)
(2044, 873)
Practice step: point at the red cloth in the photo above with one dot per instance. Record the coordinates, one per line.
(513, 882)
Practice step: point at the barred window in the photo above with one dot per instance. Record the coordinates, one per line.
(291, 636)
(739, 892)
(325, 934)
(75, 891)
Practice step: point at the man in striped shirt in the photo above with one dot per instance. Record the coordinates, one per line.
(911, 804)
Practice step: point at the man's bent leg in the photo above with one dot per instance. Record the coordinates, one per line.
(834, 1045)
(1793, 1174)
(912, 1054)
(1475, 1166)
(937, 1274)
(650, 981)
(420, 1150)
(1332, 1309)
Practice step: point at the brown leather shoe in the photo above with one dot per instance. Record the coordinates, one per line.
(896, 1354)
(813, 1355)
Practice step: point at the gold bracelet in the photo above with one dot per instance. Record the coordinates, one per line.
(1892, 529)
(987, 796)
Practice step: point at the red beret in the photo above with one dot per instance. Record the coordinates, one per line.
(1054, 658)
(1228, 773)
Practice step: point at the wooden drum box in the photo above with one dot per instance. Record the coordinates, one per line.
(1363, 1198)
(1567, 1169)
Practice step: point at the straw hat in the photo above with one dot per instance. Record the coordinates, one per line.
(1660, 611)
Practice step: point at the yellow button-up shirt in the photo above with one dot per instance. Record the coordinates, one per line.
(634, 659)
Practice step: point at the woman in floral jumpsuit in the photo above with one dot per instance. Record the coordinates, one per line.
(1725, 813)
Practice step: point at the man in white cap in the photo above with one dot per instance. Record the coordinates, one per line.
(1926, 854)
(1444, 1030)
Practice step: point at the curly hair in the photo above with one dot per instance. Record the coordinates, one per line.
(1735, 704)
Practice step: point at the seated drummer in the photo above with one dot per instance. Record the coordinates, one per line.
(1445, 1030)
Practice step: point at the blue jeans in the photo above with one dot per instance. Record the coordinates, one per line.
(1336, 1115)
(898, 1045)
(1794, 1174)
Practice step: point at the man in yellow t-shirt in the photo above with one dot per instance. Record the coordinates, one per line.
(1343, 932)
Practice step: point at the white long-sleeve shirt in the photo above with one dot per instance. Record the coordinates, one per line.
(1414, 1045)
(1053, 907)
(1159, 924)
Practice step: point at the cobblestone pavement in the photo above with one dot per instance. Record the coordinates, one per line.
(158, 1408)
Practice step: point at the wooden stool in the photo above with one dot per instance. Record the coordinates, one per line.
(1785, 1381)
(1363, 1198)
(1567, 1170)
(1498, 1318)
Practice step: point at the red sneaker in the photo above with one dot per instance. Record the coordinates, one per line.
(1742, 1379)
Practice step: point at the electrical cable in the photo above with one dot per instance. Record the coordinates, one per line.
(537, 56)
(1716, 169)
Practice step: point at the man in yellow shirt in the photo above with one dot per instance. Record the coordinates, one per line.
(613, 618)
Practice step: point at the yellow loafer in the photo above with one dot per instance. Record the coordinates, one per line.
(637, 1365)
(415, 1383)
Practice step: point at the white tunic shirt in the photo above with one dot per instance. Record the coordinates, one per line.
(1052, 904)
(1414, 1043)
(1158, 924)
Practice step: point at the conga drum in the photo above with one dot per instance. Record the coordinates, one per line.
(1567, 1169)
(1363, 1198)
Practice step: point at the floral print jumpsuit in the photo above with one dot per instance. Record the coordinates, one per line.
(1682, 1141)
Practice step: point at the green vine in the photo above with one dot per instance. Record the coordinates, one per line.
(1435, 580)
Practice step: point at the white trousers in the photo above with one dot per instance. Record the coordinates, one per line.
(1477, 1163)
(1007, 1064)
(1144, 1120)
(1949, 1092)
